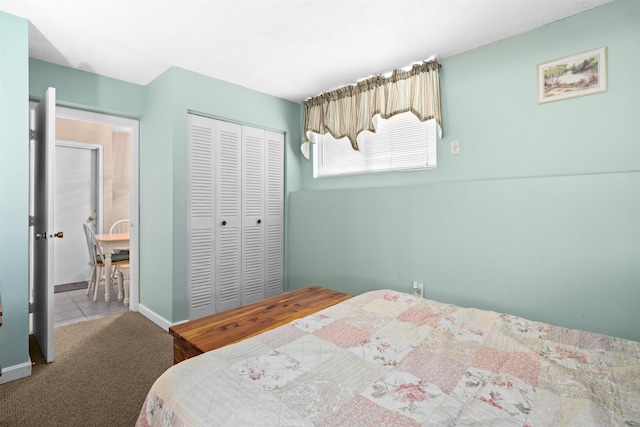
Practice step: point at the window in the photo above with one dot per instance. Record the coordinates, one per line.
(399, 143)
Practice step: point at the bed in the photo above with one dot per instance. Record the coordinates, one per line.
(389, 358)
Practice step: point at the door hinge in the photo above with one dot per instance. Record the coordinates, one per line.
(32, 134)
(30, 307)
(32, 220)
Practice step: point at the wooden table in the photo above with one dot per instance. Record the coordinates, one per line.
(109, 243)
(215, 331)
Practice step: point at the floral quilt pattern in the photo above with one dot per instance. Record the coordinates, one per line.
(386, 358)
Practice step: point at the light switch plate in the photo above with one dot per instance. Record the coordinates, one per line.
(455, 146)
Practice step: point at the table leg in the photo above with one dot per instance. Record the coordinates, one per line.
(120, 284)
(125, 284)
(107, 276)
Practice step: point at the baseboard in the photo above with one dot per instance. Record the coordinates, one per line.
(154, 317)
(15, 372)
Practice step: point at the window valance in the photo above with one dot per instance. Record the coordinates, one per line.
(347, 111)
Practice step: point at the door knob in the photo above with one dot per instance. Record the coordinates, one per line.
(91, 218)
(224, 222)
(259, 221)
(59, 235)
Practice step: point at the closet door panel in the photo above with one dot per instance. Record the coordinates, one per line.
(228, 215)
(200, 208)
(253, 222)
(274, 213)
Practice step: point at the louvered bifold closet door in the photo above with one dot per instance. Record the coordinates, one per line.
(200, 216)
(253, 221)
(274, 213)
(228, 216)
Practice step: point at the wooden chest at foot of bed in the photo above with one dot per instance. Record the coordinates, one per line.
(215, 331)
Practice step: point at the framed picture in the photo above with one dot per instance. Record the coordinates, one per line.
(576, 75)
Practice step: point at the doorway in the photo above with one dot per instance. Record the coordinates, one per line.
(110, 190)
(118, 183)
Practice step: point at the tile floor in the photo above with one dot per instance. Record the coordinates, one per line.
(77, 306)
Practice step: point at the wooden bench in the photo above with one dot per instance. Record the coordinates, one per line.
(215, 331)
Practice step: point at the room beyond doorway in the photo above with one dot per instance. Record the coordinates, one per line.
(76, 306)
(119, 139)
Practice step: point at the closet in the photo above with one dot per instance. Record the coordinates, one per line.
(235, 215)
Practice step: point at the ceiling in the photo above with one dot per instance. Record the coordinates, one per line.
(291, 49)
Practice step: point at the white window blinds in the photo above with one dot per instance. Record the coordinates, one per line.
(399, 143)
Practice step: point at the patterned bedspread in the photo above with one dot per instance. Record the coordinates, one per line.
(386, 358)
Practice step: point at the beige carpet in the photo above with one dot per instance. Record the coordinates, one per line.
(101, 374)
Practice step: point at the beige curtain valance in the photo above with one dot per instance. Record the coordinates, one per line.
(347, 111)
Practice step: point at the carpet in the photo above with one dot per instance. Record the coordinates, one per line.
(101, 374)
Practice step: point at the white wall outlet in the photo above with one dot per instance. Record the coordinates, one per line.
(418, 289)
(455, 146)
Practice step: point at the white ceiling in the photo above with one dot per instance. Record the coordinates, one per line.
(292, 49)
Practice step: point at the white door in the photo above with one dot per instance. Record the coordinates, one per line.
(43, 251)
(253, 221)
(274, 213)
(200, 208)
(76, 195)
(228, 177)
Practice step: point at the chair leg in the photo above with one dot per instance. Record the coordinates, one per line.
(98, 277)
(92, 280)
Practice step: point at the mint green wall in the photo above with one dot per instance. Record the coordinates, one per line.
(163, 171)
(14, 190)
(86, 91)
(539, 215)
(156, 211)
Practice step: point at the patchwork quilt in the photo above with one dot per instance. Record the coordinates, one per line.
(386, 358)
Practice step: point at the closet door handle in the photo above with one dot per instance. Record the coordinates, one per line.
(259, 221)
(224, 222)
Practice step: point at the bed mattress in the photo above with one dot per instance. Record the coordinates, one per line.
(392, 359)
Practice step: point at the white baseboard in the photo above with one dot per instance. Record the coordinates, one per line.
(156, 318)
(15, 372)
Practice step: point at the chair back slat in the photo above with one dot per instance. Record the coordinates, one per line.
(120, 226)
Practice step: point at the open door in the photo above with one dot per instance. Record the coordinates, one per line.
(76, 202)
(44, 127)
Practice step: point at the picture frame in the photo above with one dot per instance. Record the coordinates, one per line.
(573, 76)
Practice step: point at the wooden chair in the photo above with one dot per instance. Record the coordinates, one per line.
(120, 226)
(96, 260)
